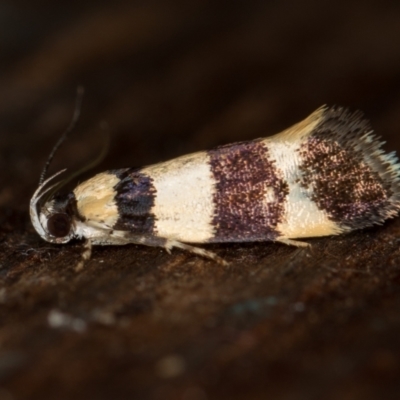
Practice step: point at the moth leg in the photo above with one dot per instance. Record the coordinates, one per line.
(291, 242)
(169, 244)
(123, 237)
(85, 255)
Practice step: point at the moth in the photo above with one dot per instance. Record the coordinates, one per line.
(326, 175)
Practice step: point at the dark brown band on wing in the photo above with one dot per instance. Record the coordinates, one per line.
(342, 183)
(244, 175)
(135, 195)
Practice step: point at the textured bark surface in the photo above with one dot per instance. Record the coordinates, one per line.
(167, 78)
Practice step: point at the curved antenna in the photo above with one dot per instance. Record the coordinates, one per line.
(92, 164)
(55, 188)
(43, 194)
(64, 136)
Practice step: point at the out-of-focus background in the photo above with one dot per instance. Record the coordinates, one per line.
(165, 78)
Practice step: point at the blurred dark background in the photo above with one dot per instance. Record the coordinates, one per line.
(165, 78)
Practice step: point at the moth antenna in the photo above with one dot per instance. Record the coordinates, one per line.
(87, 167)
(93, 163)
(77, 111)
(39, 191)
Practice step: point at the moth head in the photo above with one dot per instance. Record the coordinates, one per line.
(53, 216)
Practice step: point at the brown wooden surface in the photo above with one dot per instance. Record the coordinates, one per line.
(168, 78)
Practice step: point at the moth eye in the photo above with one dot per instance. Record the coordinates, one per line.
(59, 225)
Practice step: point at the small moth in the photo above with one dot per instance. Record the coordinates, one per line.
(326, 175)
